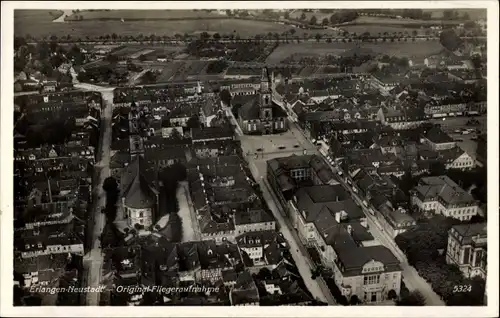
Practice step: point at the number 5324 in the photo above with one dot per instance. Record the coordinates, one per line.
(462, 288)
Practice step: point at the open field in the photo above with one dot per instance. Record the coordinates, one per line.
(402, 22)
(127, 50)
(42, 19)
(135, 15)
(169, 70)
(40, 28)
(409, 49)
(195, 67)
(474, 14)
(376, 29)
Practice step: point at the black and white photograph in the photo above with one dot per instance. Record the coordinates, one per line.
(213, 155)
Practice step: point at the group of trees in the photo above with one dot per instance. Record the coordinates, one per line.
(53, 132)
(450, 40)
(424, 246)
(414, 298)
(217, 67)
(235, 51)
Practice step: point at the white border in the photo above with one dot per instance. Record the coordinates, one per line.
(6, 164)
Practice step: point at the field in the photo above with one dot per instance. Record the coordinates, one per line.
(475, 14)
(376, 29)
(41, 26)
(169, 70)
(127, 50)
(42, 19)
(195, 67)
(143, 15)
(397, 22)
(308, 71)
(409, 49)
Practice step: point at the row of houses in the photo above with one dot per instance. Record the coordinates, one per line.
(327, 219)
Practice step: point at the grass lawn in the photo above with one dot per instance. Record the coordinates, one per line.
(409, 49)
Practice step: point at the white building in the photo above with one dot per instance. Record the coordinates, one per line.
(440, 195)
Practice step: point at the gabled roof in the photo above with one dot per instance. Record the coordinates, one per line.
(135, 187)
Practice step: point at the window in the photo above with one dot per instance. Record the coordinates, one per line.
(371, 279)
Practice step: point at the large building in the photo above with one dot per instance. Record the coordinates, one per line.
(441, 195)
(262, 115)
(139, 194)
(467, 248)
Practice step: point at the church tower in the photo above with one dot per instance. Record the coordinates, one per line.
(265, 98)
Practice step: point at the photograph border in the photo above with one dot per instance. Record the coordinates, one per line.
(6, 164)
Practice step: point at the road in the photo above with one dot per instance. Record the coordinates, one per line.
(94, 259)
(411, 278)
(281, 40)
(257, 164)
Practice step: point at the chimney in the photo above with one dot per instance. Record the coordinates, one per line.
(337, 216)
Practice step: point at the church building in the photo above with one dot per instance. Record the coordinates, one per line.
(262, 115)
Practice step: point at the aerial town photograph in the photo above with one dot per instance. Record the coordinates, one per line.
(243, 157)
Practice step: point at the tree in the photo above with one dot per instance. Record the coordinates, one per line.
(313, 20)
(235, 109)
(450, 40)
(286, 15)
(354, 300)
(303, 16)
(392, 294)
(325, 21)
(437, 168)
(415, 298)
(193, 122)
(264, 274)
(216, 36)
(318, 37)
(175, 134)
(225, 97)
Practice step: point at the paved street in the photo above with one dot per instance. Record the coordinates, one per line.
(317, 287)
(411, 278)
(257, 164)
(93, 260)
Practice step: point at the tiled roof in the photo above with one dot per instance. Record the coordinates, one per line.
(444, 188)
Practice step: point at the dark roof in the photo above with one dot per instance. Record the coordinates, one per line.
(135, 187)
(437, 136)
(210, 133)
(355, 260)
(470, 231)
(251, 216)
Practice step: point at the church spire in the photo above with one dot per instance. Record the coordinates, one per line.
(264, 81)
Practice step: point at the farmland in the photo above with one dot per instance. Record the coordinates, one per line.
(137, 15)
(409, 49)
(42, 19)
(169, 70)
(43, 27)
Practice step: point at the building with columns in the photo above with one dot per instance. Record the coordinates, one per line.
(467, 248)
